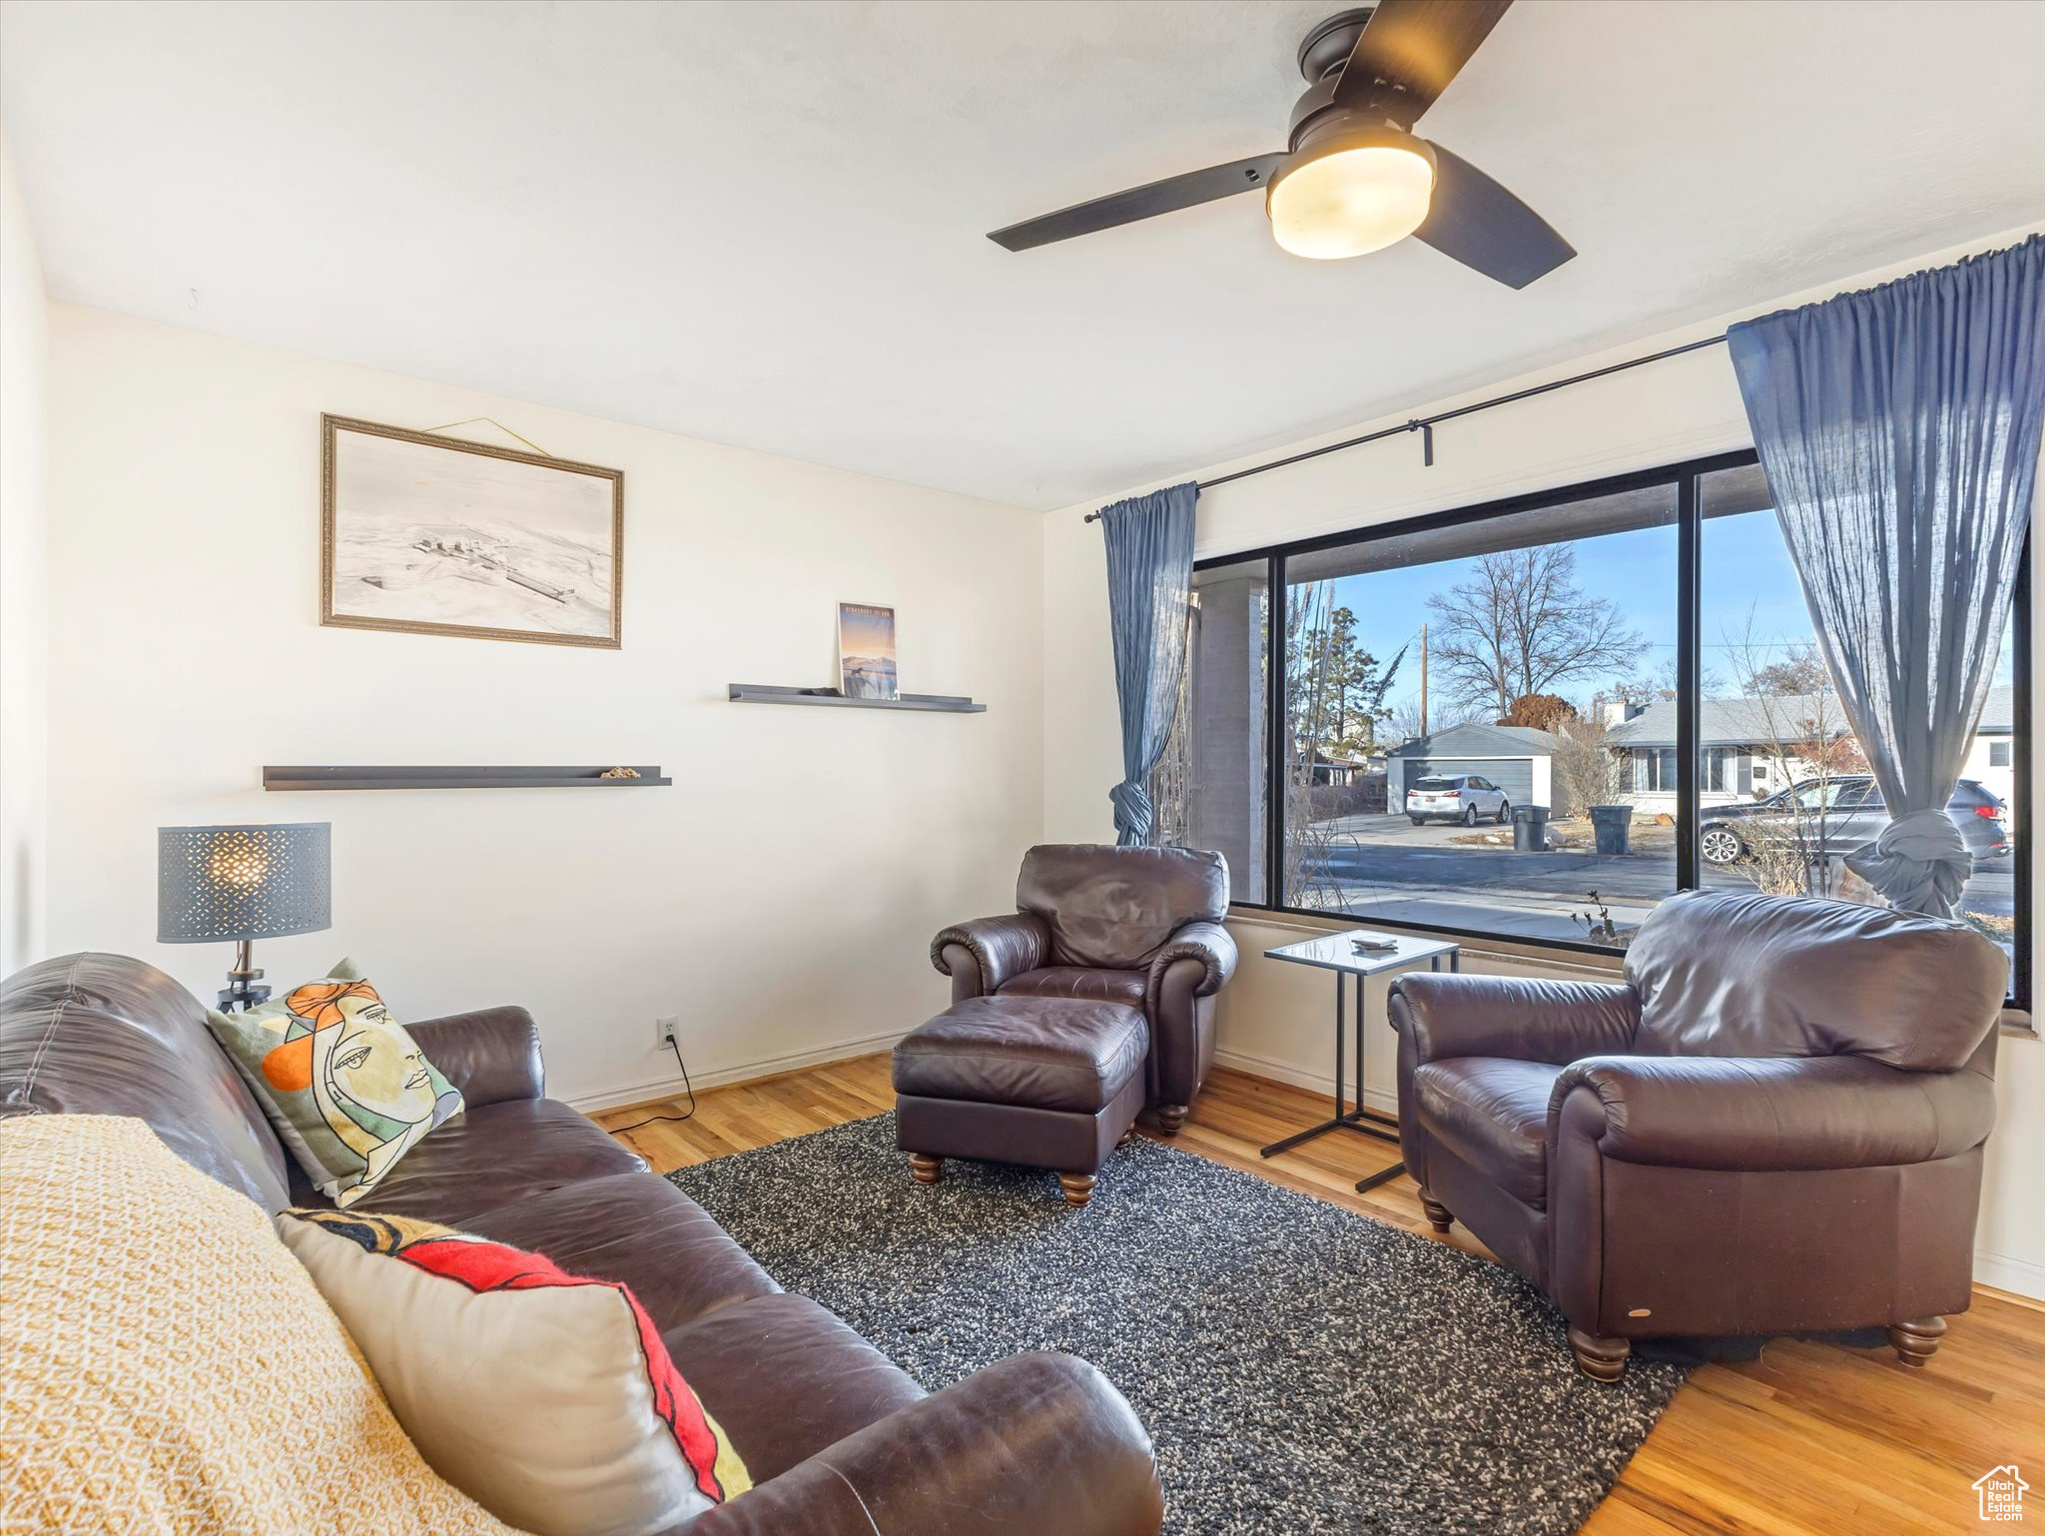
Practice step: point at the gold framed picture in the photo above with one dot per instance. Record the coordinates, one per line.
(436, 536)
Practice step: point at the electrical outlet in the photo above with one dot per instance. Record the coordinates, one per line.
(664, 1029)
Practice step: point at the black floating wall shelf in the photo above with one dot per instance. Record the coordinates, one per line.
(460, 778)
(761, 693)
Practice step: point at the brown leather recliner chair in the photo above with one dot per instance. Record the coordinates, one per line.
(1140, 926)
(1773, 1125)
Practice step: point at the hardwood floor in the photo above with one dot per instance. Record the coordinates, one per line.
(1810, 1438)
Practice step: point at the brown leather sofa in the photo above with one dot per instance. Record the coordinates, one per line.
(1773, 1125)
(1139, 926)
(839, 1442)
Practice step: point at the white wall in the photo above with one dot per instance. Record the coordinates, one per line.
(24, 695)
(778, 898)
(1997, 781)
(1276, 1019)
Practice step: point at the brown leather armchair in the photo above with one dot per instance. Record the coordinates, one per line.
(1774, 1124)
(1140, 926)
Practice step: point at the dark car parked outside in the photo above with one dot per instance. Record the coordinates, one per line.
(1842, 813)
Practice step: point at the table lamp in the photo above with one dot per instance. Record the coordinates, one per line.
(242, 884)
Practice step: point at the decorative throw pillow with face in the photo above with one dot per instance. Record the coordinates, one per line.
(346, 1087)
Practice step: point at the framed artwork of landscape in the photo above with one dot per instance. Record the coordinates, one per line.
(436, 536)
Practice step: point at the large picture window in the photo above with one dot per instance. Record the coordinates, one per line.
(1538, 719)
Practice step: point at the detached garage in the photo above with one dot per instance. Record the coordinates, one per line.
(1517, 758)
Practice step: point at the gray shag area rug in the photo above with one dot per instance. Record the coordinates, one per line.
(1300, 1368)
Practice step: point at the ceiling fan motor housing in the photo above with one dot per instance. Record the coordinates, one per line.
(1328, 46)
(1315, 113)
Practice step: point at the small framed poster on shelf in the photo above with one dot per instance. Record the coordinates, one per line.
(866, 652)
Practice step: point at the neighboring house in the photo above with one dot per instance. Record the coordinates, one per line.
(1517, 758)
(1743, 741)
(1341, 772)
(1991, 759)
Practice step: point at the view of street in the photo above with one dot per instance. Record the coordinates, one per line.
(1385, 866)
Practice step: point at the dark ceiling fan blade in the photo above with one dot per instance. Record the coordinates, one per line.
(1410, 50)
(1480, 224)
(1144, 202)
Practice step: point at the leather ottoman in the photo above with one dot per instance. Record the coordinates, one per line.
(1048, 1082)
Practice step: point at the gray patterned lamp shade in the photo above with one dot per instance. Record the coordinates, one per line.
(216, 883)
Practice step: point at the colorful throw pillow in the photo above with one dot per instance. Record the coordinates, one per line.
(548, 1398)
(343, 1083)
(170, 1367)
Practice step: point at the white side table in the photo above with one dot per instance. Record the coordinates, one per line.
(1332, 952)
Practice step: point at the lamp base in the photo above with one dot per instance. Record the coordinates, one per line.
(240, 994)
(243, 990)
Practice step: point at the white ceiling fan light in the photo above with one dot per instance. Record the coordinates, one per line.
(1351, 194)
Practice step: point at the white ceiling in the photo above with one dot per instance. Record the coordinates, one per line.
(763, 223)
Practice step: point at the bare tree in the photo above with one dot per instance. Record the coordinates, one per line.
(1403, 721)
(1586, 771)
(1659, 683)
(1521, 625)
(1801, 672)
(1801, 733)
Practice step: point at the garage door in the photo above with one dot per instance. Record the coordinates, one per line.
(1514, 775)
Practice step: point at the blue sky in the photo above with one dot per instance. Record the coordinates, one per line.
(1746, 570)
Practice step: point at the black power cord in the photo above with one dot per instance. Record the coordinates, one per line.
(689, 1087)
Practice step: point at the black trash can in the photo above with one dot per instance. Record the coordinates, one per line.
(1612, 827)
(1530, 829)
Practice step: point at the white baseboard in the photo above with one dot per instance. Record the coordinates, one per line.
(1296, 1077)
(744, 1072)
(2007, 1274)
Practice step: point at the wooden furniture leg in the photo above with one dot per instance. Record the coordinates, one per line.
(1600, 1359)
(1438, 1216)
(1078, 1187)
(1170, 1117)
(924, 1168)
(1917, 1340)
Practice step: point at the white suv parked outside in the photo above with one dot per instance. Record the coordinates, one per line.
(1465, 798)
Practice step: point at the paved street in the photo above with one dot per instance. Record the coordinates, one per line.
(1387, 866)
(1390, 850)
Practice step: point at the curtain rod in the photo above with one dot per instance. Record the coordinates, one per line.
(1425, 425)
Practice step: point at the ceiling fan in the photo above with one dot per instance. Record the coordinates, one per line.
(1354, 177)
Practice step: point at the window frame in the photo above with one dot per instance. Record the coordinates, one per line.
(1686, 476)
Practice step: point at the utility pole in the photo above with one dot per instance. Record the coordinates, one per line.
(1423, 680)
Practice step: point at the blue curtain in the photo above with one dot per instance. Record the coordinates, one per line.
(1150, 590)
(1899, 430)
